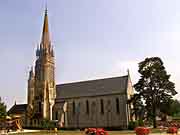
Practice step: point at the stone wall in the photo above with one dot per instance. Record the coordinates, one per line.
(102, 111)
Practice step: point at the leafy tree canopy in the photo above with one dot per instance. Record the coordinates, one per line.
(171, 108)
(175, 108)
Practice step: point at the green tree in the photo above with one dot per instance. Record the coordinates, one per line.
(175, 108)
(171, 108)
(2, 109)
(154, 86)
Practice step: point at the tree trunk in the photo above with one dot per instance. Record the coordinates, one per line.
(154, 116)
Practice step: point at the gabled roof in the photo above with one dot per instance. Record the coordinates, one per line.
(17, 109)
(107, 86)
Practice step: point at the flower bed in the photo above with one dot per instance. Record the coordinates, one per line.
(172, 130)
(95, 131)
(142, 131)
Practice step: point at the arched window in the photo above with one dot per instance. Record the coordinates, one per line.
(74, 107)
(39, 107)
(117, 106)
(78, 108)
(102, 106)
(56, 115)
(30, 122)
(87, 107)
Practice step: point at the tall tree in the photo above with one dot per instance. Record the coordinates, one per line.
(2, 109)
(154, 85)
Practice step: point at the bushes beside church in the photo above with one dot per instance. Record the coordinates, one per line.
(47, 124)
(133, 124)
(44, 124)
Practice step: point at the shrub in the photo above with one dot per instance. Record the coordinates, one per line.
(47, 124)
(132, 125)
(140, 122)
(142, 131)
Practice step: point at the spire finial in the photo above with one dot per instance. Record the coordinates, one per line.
(31, 73)
(128, 72)
(46, 7)
(32, 68)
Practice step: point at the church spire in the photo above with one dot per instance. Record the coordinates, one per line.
(45, 41)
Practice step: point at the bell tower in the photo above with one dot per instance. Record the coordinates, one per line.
(44, 77)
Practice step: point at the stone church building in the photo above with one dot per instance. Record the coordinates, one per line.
(92, 103)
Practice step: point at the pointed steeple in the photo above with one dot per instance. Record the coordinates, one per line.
(45, 41)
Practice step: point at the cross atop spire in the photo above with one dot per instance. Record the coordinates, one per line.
(45, 34)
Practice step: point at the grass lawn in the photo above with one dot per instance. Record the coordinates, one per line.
(82, 133)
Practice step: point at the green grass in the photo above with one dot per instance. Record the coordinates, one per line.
(74, 133)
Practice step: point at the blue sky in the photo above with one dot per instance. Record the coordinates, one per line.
(92, 39)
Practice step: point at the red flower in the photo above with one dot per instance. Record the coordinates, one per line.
(142, 131)
(96, 131)
(172, 130)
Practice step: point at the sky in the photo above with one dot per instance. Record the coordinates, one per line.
(92, 39)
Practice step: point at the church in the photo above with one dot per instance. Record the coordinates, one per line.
(91, 103)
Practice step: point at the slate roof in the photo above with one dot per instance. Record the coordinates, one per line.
(17, 109)
(98, 87)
